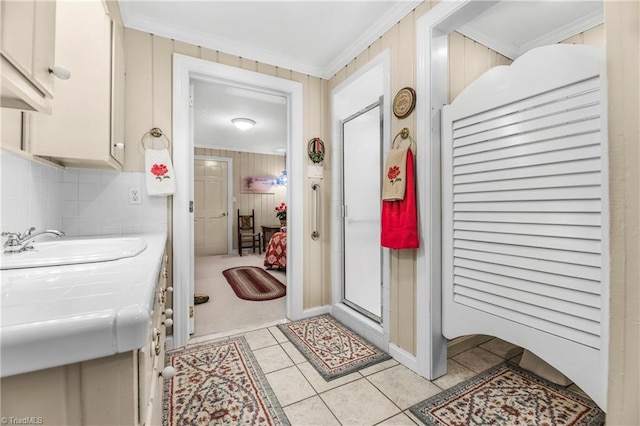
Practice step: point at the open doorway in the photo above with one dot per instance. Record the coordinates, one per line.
(187, 71)
(237, 175)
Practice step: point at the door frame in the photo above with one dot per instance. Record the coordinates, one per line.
(378, 104)
(184, 69)
(432, 85)
(379, 334)
(229, 162)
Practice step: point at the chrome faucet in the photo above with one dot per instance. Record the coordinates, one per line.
(17, 242)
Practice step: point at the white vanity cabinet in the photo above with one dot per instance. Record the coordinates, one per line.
(86, 127)
(121, 389)
(27, 43)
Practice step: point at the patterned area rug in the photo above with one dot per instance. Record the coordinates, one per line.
(330, 347)
(508, 395)
(219, 383)
(253, 283)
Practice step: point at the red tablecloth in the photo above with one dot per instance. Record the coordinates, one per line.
(276, 254)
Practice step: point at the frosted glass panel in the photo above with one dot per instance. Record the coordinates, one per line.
(361, 180)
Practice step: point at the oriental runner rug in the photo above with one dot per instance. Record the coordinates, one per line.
(219, 383)
(506, 395)
(332, 349)
(253, 283)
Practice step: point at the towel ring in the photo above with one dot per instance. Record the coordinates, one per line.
(156, 132)
(405, 134)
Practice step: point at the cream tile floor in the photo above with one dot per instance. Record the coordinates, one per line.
(377, 395)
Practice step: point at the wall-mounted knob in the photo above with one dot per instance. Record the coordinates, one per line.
(119, 145)
(168, 372)
(168, 312)
(168, 322)
(170, 289)
(61, 72)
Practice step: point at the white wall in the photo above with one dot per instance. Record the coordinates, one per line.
(76, 201)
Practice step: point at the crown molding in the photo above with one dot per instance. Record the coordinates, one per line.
(382, 25)
(221, 44)
(513, 51)
(576, 27)
(501, 46)
(243, 50)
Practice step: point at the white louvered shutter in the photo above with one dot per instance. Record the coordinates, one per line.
(523, 198)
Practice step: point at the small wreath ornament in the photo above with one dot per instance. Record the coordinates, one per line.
(315, 148)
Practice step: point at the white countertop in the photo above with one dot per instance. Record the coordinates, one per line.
(58, 315)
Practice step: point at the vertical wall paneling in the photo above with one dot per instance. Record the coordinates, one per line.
(251, 164)
(138, 95)
(623, 68)
(148, 103)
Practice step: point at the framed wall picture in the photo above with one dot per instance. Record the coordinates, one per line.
(257, 184)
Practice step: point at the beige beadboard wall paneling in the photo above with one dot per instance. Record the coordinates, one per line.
(623, 68)
(138, 96)
(400, 39)
(592, 37)
(468, 60)
(149, 60)
(251, 164)
(315, 248)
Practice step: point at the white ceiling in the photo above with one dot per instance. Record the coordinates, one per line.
(319, 38)
(216, 104)
(514, 27)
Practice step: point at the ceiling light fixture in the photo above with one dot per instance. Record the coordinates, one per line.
(243, 123)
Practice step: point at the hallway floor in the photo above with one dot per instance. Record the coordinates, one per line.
(377, 395)
(225, 312)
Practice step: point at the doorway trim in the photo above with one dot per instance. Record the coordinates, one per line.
(229, 162)
(373, 331)
(432, 82)
(184, 69)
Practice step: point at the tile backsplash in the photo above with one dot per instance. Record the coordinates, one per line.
(77, 201)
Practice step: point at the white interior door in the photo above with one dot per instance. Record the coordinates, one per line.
(525, 210)
(362, 164)
(210, 207)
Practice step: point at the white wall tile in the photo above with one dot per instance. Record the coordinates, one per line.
(77, 201)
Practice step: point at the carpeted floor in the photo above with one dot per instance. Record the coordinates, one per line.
(507, 395)
(224, 311)
(332, 348)
(219, 383)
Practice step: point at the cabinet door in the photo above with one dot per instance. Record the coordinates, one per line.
(78, 132)
(17, 33)
(117, 93)
(44, 45)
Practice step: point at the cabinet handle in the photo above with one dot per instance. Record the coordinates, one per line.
(119, 145)
(61, 72)
(168, 312)
(168, 322)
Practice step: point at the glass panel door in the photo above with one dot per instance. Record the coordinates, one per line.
(362, 253)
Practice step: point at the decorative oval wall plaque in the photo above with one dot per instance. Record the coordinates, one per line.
(404, 102)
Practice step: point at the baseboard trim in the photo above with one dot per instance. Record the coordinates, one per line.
(404, 357)
(314, 312)
(463, 343)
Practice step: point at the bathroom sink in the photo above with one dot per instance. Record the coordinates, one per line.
(74, 251)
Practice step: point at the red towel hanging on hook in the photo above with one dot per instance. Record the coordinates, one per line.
(400, 217)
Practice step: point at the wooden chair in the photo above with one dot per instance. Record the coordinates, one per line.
(247, 235)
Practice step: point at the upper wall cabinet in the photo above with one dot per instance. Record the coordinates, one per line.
(27, 54)
(86, 127)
